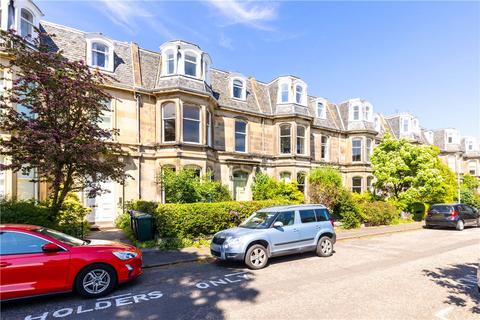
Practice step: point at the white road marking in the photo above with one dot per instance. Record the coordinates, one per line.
(234, 274)
(113, 297)
(442, 314)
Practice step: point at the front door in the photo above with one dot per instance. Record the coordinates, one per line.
(284, 238)
(240, 179)
(103, 205)
(27, 270)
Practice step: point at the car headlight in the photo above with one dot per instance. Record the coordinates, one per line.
(125, 255)
(232, 242)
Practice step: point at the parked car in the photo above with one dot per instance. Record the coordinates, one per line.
(452, 215)
(36, 261)
(277, 231)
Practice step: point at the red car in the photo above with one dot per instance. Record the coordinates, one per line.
(36, 261)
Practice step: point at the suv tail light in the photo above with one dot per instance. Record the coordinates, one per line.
(331, 221)
(453, 213)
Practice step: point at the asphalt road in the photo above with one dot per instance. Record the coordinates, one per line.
(422, 274)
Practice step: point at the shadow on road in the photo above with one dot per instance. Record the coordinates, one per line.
(461, 282)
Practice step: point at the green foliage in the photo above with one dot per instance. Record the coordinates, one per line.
(469, 197)
(418, 209)
(325, 186)
(347, 210)
(267, 188)
(197, 220)
(377, 213)
(185, 186)
(470, 182)
(411, 173)
(71, 219)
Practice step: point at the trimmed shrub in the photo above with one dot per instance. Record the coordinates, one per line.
(377, 213)
(71, 219)
(346, 209)
(325, 186)
(417, 209)
(197, 219)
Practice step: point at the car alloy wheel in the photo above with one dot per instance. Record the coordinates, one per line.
(460, 225)
(326, 246)
(96, 281)
(258, 257)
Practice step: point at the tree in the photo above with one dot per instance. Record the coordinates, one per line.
(470, 182)
(411, 173)
(55, 127)
(267, 188)
(185, 186)
(325, 186)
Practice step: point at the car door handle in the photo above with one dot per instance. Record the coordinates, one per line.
(4, 264)
(295, 230)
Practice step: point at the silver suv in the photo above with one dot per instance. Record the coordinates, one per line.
(277, 231)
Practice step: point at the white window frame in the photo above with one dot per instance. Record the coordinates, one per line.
(324, 146)
(169, 118)
(354, 188)
(31, 24)
(358, 111)
(209, 126)
(298, 94)
(245, 135)
(359, 148)
(243, 92)
(368, 149)
(281, 86)
(284, 136)
(197, 63)
(285, 176)
(172, 53)
(107, 114)
(405, 125)
(106, 42)
(323, 113)
(199, 120)
(26, 179)
(303, 138)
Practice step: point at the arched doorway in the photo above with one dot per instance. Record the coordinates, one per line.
(240, 179)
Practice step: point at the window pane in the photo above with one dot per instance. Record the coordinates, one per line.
(287, 218)
(322, 215)
(237, 89)
(285, 145)
(357, 184)
(307, 216)
(99, 59)
(285, 176)
(169, 130)
(191, 131)
(285, 130)
(356, 150)
(239, 142)
(240, 126)
(300, 145)
(169, 111)
(299, 94)
(284, 93)
(191, 113)
(190, 65)
(18, 243)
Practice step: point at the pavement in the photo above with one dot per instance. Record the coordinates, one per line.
(157, 258)
(420, 274)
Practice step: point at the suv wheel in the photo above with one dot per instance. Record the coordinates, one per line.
(256, 257)
(95, 281)
(460, 225)
(324, 247)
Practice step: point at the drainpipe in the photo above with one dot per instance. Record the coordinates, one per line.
(137, 99)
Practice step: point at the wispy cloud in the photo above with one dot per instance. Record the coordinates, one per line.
(250, 13)
(225, 42)
(127, 14)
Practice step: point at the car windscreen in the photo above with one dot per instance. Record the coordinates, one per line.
(259, 220)
(65, 238)
(440, 208)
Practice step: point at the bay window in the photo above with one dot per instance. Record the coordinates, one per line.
(300, 140)
(356, 150)
(285, 139)
(169, 121)
(191, 124)
(240, 135)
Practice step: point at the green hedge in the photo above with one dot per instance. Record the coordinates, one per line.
(195, 220)
(377, 213)
(71, 220)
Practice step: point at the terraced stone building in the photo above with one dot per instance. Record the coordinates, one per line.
(173, 109)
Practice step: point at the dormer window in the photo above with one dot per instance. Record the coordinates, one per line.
(284, 92)
(26, 24)
(190, 65)
(449, 138)
(100, 52)
(321, 111)
(366, 115)
(238, 89)
(170, 62)
(356, 113)
(376, 122)
(298, 94)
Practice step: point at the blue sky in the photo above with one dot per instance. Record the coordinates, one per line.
(420, 57)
